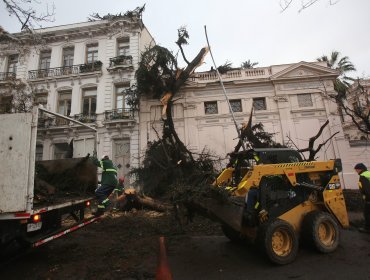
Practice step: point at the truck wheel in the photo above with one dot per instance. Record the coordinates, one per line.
(321, 230)
(279, 241)
(231, 233)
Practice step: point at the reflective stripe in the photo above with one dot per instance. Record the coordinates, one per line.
(105, 200)
(108, 169)
(256, 158)
(101, 206)
(111, 170)
(256, 205)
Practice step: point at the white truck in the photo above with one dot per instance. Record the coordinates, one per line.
(24, 221)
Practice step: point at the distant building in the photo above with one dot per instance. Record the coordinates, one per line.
(357, 98)
(80, 70)
(358, 142)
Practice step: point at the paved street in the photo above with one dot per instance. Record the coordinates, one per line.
(217, 258)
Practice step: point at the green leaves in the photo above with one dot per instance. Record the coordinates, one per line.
(157, 72)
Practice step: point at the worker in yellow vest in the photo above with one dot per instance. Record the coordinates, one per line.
(364, 185)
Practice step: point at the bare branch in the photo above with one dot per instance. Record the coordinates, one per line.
(312, 140)
(285, 4)
(27, 15)
(182, 40)
(307, 4)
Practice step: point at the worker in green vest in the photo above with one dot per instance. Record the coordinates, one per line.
(364, 185)
(108, 183)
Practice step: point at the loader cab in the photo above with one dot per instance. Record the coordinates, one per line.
(277, 155)
(244, 160)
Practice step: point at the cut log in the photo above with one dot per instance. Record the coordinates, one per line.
(131, 199)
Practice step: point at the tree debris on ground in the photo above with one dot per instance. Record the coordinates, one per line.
(56, 180)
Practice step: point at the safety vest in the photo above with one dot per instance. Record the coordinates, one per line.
(109, 174)
(366, 174)
(108, 169)
(365, 189)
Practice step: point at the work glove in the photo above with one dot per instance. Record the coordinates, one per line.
(263, 216)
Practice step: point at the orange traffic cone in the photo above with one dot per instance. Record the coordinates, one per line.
(163, 269)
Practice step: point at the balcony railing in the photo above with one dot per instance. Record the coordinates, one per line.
(119, 114)
(121, 60)
(45, 121)
(85, 118)
(61, 122)
(65, 70)
(7, 76)
(237, 74)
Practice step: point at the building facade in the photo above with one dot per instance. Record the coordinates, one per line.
(80, 70)
(290, 101)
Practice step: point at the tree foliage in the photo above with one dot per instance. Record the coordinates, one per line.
(248, 64)
(156, 74)
(22, 96)
(345, 87)
(167, 160)
(136, 13)
(224, 68)
(162, 171)
(343, 65)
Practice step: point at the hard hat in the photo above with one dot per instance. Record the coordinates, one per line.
(105, 157)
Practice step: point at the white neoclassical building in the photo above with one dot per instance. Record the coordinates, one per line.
(80, 70)
(290, 100)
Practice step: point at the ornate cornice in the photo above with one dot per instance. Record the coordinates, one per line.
(69, 32)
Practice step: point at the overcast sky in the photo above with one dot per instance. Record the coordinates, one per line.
(239, 30)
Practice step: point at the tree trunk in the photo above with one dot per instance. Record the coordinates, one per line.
(131, 199)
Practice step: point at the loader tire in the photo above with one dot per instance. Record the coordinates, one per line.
(231, 233)
(321, 230)
(279, 241)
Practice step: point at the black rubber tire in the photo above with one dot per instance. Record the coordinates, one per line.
(279, 241)
(321, 231)
(231, 233)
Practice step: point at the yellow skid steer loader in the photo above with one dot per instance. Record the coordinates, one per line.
(278, 200)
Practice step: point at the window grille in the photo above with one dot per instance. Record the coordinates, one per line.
(259, 104)
(236, 105)
(305, 100)
(210, 107)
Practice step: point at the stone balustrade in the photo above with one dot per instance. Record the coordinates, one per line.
(237, 74)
